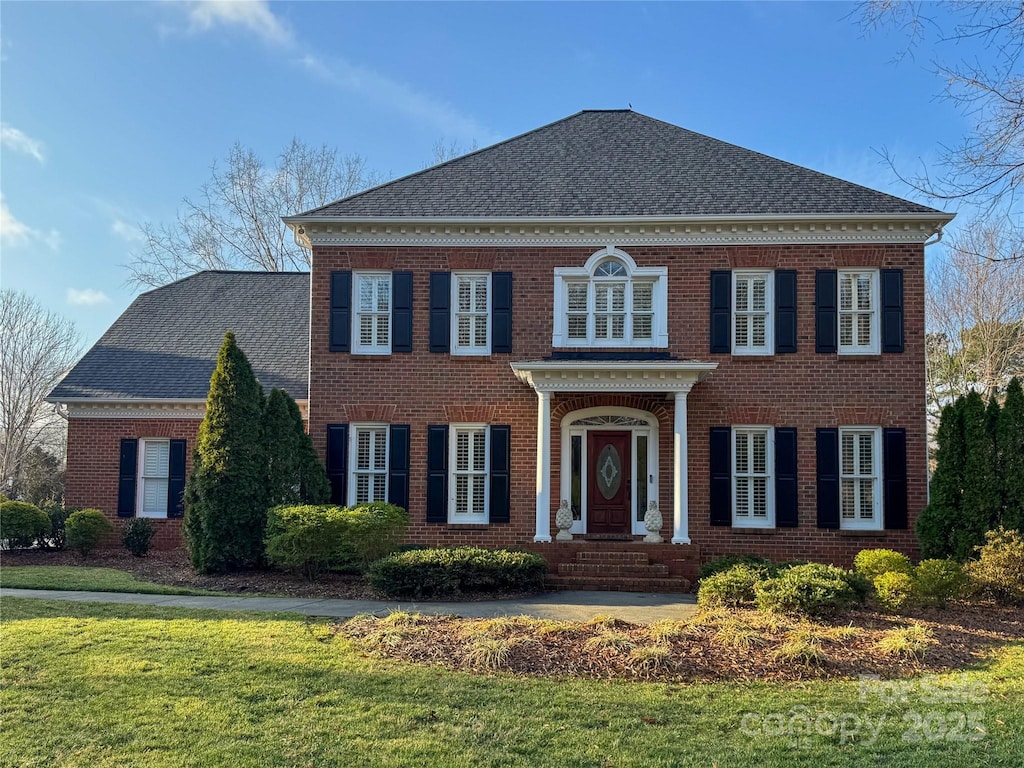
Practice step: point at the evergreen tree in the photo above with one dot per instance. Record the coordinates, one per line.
(937, 522)
(281, 445)
(314, 487)
(226, 492)
(1010, 440)
(981, 501)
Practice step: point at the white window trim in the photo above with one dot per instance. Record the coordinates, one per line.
(769, 519)
(484, 517)
(456, 349)
(371, 349)
(769, 303)
(353, 447)
(876, 523)
(140, 478)
(874, 347)
(658, 276)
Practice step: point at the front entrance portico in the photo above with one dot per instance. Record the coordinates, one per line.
(672, 377)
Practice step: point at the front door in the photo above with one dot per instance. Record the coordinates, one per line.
(609, 482)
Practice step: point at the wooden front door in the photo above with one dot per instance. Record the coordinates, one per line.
(608, 482)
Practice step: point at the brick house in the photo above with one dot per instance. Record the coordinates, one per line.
(604, 313)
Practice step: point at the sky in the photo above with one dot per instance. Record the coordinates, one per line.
(113, 112)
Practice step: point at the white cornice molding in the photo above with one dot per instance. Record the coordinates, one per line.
(612, 375)
(588, 231)
(92, 408)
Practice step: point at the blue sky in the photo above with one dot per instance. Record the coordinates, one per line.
(112, 112)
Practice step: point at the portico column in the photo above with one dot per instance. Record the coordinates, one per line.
(543, 467)
(681, 480)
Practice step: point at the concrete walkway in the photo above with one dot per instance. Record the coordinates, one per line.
(636, 607)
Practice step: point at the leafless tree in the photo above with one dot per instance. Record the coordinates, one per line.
(444, 150)
(975, 307)
(235, 221)
(38, 347)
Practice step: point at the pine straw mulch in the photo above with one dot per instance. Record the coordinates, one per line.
(713, 646)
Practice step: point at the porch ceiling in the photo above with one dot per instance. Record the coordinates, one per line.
(612, 375)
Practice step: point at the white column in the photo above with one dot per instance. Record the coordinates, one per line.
(681, 480)
(543, 467)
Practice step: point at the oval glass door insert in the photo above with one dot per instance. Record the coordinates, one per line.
(609, 471)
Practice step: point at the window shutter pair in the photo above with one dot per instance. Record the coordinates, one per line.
(398, 464)
(341, 311)
(783, 313)
(501, 312)
(826, 310)
(894, 478)
(720, 455)
(128, 478)
(500, 477)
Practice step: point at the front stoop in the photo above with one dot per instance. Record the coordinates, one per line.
(629, 571)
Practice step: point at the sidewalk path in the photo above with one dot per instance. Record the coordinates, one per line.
(636, 607)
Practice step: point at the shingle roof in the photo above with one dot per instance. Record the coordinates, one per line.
(615, 163)
(165, 344)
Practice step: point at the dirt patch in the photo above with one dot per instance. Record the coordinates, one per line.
(738, 645)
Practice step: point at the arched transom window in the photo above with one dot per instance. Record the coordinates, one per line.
(610, 302)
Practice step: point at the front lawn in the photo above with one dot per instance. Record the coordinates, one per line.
(87, 684)
(86, 579)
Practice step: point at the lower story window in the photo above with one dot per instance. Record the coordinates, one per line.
(154, 472)
(369, 450)
(468, 460)
(752, 495)
(859, 477)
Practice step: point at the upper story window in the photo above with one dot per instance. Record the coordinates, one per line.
(371, 331)
(471, 313)
(858, 311)
(610, 302)
(751, 314)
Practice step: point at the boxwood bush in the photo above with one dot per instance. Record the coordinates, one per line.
(86, 529)
(448, 572)
(872, 563)
(894, 590)
(137, 534)
(939, 581)
(812, 589)
(720, 564)
(21, 524)
(731, 588)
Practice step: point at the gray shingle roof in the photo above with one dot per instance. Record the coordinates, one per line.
(165, 344)
(615, 163)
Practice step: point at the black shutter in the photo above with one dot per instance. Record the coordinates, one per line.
(437, 473)
(398, 466)
(501, 464)
(176, 480)
(827, 449)
(786, 515)
(440, 311)
(341, 311)
(401, 312)
(785, 311)
(501, 312)
(337, 462)
(126, 478)
(826, 316)
(894, 475)
(721, 312)
(721, 475)
(892, 309)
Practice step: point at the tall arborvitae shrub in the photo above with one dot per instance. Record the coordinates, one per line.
(1010, 442)
(226, 494)
(982, 501)
(936, 524)
(294, 472)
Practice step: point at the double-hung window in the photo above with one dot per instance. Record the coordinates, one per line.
(369, 463)
(860, 471)
(752, 492)
(154, 475)
(468, 463)
(371, 331)
(751, 316)
(471, 302)
(858, 311)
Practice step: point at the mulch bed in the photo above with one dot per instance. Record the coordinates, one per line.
(964, 635)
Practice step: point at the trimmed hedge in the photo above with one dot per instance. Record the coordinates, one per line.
(21, 524)
(452, 571)
(86, 528)
(872, 563)
(731, 588)
(812, 589)
(894, 590)
(726, 563)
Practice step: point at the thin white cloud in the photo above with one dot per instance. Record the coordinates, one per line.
(127, 232)
(15, 233)
(87, 297)
(16, 141)
(253, 16)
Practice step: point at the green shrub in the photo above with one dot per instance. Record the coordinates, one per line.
(939, 581)
(57, 538)
(812, 589)
(375, 530)
(21, 524)
(894, 590)
(999, 570)
(137, 534)
(86, 529)
(872, 563)
(720, 564)
(452, 571)
(731, 588)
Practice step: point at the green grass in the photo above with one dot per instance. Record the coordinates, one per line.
(104, 685)
(86, 579)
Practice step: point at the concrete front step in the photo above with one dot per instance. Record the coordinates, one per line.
(601, 570)
(617, 583)
(640, 558)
